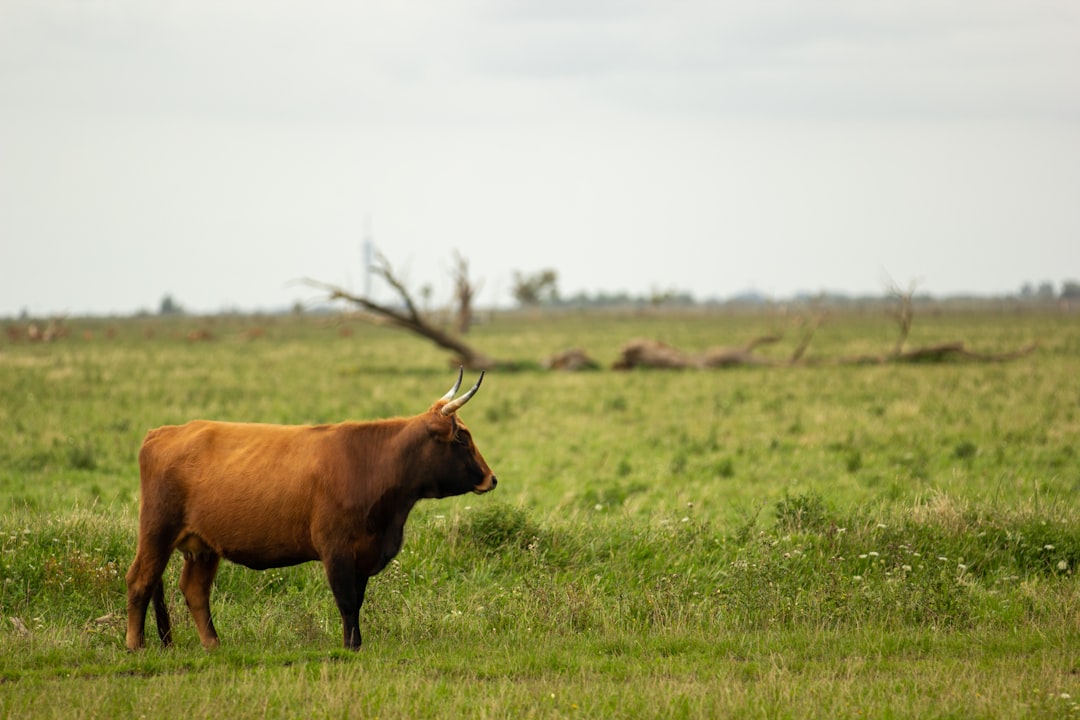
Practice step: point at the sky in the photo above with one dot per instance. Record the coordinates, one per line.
(219, 151)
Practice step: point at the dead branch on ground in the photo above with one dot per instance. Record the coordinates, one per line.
(940, 353)
(654, 354)
(571, 360)
(643, 352)
(409, 318)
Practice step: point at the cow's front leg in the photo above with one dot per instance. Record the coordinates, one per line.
(348, 586)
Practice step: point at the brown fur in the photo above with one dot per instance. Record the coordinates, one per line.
(275, 495)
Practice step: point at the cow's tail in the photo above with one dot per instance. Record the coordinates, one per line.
(161, 614)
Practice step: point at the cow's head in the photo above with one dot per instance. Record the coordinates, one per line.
(456, 466)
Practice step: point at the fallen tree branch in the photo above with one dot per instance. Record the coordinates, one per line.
(731, 357)
(571, 360)
(654, 354)
(410, 319)
(642, 352)
(940, 353)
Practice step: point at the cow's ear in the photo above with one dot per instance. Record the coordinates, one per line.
(444, 427)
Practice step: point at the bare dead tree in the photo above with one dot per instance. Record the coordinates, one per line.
(904, 313)
(810, 327)
(464, 292)
(409, 318)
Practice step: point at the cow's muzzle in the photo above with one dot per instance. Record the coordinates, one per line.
(487, 486)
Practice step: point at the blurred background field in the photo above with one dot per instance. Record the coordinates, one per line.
(638, 441)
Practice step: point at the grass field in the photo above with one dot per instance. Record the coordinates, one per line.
(821, 541)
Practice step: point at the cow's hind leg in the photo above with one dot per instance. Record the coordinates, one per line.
(161, 614)
(144, 584)
(195, 580)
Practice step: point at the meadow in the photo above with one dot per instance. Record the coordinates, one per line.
(819, 541)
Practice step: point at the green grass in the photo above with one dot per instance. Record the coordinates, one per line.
(787, 542)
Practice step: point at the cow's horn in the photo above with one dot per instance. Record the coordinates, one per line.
(453, 390)
(452, 407)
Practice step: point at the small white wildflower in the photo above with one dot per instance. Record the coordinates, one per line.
(1065, 696)
(882, 526)
(873, 553)
(1048, 547)
(598, 507)
(685, 519)
(1063, 565)
(863, 556)
(857, 578)
(942, 558)
(906, 568)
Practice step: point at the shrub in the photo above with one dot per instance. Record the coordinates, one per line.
(802, 513)
(499, 525)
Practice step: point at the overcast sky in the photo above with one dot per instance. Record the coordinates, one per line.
(217, 151)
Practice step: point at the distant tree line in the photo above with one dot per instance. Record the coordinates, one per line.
(1070, 290)
(542, 288)
(169, 306)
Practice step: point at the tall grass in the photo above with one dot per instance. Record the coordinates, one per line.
(495, 597)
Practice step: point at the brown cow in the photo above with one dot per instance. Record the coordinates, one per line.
(274, 495)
